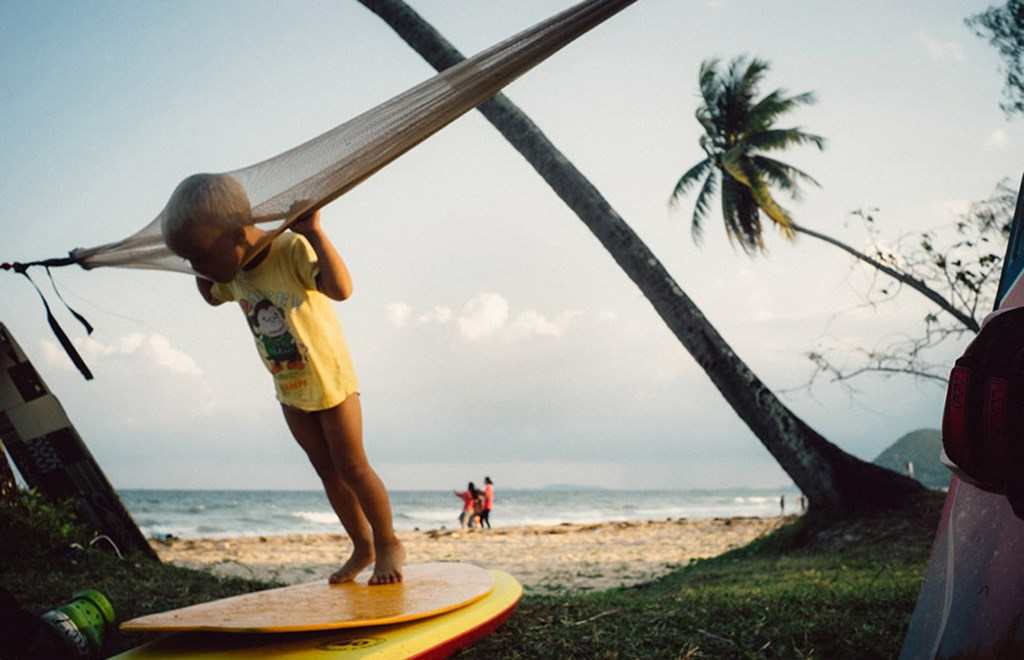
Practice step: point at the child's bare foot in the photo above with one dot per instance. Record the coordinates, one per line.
(388, 568)
(360, 559)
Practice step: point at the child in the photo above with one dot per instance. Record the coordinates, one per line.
(476, 520)
(468, 497)
(284, 292)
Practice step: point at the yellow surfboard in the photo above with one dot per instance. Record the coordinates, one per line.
(427, 590)
(433, 637)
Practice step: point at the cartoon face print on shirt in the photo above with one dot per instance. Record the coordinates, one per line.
(269, 324)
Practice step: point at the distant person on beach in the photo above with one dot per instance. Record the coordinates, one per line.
(468, 497)
(782, 505)
(476, 519)
(285, 292)
(485, 516)
(803, 504)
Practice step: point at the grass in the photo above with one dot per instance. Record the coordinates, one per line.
(810, 590)
(41, 569)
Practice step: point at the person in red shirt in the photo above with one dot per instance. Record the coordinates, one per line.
(468, 497)
(485, 515)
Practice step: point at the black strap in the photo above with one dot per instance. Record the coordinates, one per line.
(58, 331)
(81, 319)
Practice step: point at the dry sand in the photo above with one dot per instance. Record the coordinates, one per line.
(545, 559)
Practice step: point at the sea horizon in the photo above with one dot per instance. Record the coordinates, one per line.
(220, 513)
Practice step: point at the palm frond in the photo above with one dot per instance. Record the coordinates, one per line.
(741, 215)
(688, 180)
(764, 113)
(705, 119)
(743, 225)
(782, 138)
(707, 80)
(783, 175)
(731, 191)
(753, 75)
(732, 164)
(750, 231)
(702, 206)
(764, 200)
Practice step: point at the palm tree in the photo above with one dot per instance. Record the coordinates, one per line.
(739, 133)
(834, 481)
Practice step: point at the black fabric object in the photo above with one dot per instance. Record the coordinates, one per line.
(17, 627)
(983, 420)
(58, 331)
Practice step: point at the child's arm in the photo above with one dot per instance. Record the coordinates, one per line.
(204, 286)
(333, 280)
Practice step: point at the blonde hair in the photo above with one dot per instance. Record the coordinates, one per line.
(204, 205)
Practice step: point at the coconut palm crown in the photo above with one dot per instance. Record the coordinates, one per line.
(739, 132)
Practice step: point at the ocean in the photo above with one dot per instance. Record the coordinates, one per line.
(223, 513)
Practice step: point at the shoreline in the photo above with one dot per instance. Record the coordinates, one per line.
(545, 558)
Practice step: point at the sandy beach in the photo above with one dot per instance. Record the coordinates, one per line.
(546, 559)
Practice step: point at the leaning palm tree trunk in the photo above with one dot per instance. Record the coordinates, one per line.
(833, 480)
(914, 283)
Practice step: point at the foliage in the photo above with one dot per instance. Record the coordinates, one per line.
(33, 524)
(41, 568)
(1003, 26)
(739, 135)
(961, 261)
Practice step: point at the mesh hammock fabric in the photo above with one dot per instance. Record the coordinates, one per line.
(315, 173)
(283, 188)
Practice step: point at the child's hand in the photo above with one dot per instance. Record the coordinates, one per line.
(307, 224)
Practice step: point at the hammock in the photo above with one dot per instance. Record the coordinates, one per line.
(315, 173)
(283, 188)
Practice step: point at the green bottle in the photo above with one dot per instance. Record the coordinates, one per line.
(81, 624)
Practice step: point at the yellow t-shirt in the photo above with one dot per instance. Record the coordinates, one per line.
(297, 333)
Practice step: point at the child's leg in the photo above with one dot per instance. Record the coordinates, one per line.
(343, 430)
(305, 427)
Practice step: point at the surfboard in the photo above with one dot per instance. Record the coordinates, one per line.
(427, 590)
(435, 636)
(51, 455)
(972, 600)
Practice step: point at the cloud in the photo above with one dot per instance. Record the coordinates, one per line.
(153, 349)
(483, 315)
(488, 314)
(940, 50)
(997, 140)
(531, 322)
(398, 313)
(159, 349)
(440, 314)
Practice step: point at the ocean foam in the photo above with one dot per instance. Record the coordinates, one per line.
(318, 517)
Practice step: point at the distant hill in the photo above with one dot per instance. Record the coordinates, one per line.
(922, 447)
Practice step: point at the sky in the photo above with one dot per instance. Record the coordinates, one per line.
(491, 333)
